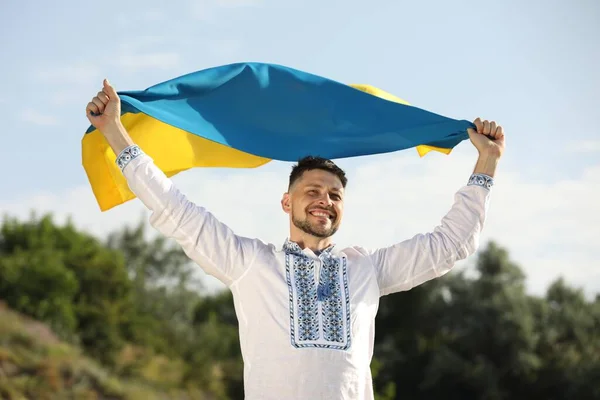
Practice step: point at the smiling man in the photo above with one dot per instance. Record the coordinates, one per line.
(307, 308)
(314, 200)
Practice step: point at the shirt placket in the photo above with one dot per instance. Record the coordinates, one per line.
(318, 267)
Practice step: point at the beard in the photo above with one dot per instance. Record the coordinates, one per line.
(314, 229)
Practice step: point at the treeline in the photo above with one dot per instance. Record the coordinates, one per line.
(133, 304)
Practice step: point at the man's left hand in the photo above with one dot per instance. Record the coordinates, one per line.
(488, 138)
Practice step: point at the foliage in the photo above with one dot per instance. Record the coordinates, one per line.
(485, 338)
(68, 279)
(35, 364)
(133, 304)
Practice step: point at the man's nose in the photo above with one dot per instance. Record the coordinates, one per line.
(325, 200)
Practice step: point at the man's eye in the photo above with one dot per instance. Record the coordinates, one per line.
(335, 196)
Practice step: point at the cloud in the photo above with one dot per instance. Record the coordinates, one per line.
(201, 11)
(208, 10)
(142, 52)
(224, 48)
(584, 146)
(140, 17)
(75, 73)
(69, 96)
(153, 15)
(239, 3)
(140, 61)
(77, 202)
(550, 229)
(38, 118)
(131, 54)
(141, 43)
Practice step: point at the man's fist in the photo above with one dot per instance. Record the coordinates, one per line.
(105, 108)
(488, 137)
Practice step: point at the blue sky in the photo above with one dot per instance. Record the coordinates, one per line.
(532, 66)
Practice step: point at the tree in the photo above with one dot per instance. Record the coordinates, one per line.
(165, 290)
(215, 353)
(459, 337)
(456, 337)
(490, 337)
(69, 279)
(33, 277)
(569, 344)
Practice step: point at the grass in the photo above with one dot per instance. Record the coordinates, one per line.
(34, 364)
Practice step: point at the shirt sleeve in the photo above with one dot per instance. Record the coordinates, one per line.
(205, 240)
(427, 256)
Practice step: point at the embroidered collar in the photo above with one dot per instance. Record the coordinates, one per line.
(294, 248)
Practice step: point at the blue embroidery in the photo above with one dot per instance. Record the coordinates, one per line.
(482, 180)
(127, 155)
(306, 292)
(319, 313)
(332, 311)
(323, 291)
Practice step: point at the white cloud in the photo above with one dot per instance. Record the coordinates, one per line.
(584, 146)
(77, 202)
(549, 228)
(201, 11)
(63, 97)
(239, 3)
(153, 15)
(74, 73)
(140, 61)
(141, 43)
(208, 10)
(139, 18)
(224, 48)
(38, 118)
(132, 55)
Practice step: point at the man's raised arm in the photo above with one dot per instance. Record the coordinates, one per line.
(427, 256)
(207, 241)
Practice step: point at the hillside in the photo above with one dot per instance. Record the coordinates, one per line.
(34, 364)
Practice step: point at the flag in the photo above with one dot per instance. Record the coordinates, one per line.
(244, 115)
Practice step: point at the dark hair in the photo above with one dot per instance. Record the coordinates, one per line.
(310, 162)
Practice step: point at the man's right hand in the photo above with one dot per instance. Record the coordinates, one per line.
(105, 109)
(104, 113)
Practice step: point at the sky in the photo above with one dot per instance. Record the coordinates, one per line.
(534, 67)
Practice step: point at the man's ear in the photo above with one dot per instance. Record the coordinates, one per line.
(286, 203)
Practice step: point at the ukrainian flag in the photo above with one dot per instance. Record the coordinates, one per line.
(244, 115)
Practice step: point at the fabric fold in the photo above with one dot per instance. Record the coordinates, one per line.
(244, 115)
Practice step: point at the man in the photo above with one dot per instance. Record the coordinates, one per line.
(306, 309)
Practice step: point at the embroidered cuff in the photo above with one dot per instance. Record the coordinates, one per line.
(482, 180)
(127, 155)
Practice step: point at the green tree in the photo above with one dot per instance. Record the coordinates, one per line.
(174, 318)
(489, 346)
(459, 337)
(456, 337)
(33, 277)
(214, 353)
(165, 290)
(68, 278)
(569, 327)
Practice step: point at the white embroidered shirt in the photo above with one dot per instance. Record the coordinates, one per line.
(306, 321)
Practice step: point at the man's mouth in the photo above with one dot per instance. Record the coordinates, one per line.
(322, 214)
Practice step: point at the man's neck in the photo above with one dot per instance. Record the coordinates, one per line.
(306, 241)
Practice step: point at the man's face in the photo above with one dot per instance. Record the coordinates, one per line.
(316, 203)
